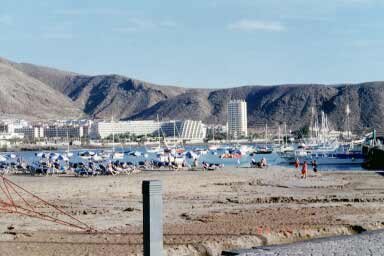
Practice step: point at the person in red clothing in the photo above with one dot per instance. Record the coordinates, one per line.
(304, 170)
(297, 163)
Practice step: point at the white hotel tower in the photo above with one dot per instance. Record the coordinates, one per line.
(237, 119)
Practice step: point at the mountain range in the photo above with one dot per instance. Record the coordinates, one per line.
(35, 92)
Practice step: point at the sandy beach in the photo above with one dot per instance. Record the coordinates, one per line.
(204, 212)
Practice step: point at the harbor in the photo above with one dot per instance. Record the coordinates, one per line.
(191, 128)
(224, 192)
(186, 158)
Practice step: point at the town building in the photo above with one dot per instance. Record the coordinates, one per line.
(180, 129)
(237, 119)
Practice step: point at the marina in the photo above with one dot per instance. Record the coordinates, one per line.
(226, 155)
(191, 128)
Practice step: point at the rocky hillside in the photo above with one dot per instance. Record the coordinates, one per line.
(125, 98)
(26, 97)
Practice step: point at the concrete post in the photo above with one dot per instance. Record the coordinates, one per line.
(152, 218)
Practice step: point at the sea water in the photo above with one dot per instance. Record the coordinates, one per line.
(210, 157)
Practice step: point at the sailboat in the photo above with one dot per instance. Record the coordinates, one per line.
(285, 148)
(214, 146)
(156, 149)
(325, 150)
(173, 148)
(115, 155)
(265, 149)
(69, 154)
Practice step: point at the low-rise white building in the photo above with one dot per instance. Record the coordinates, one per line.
(105, 129)
(181, 129)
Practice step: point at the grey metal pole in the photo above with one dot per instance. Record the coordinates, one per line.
(152, 218)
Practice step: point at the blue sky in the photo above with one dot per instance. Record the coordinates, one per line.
(201, 43)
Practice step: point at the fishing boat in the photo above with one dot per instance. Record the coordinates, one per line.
(262, 150)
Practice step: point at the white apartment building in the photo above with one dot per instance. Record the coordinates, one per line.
(105, 129)
(186, 129)
(237, 119)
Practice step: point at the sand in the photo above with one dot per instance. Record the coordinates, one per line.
(204, 212)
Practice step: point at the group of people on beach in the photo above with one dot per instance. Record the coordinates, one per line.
(261, 164)
(304, 168)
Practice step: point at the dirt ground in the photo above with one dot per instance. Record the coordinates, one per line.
(204, 212)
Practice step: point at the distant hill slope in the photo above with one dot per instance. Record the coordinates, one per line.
(125, 98)
(103, 95)
(26, 97)
(278, 104)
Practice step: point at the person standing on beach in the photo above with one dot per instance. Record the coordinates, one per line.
(195, 163)
(238, 162)
(297, 163)
(314, 165)
(304, 170)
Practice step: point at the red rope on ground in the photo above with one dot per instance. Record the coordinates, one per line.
(7, 207)
(45, 202)
(10, 196)
(5, 193)
(22, 198)
(46, 218)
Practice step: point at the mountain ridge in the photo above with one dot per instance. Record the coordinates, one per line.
(104, 96)
(26, 97)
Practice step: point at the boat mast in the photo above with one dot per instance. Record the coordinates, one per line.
(347, 112)
(312, 123)
(174, 132)
(158, 130)
(67, 141)
(113, 136)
